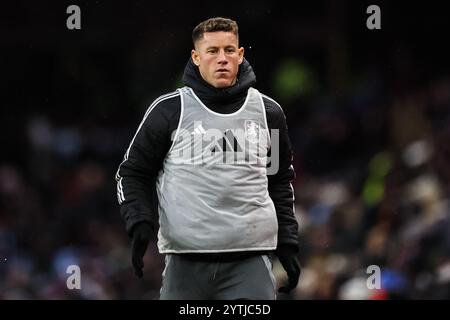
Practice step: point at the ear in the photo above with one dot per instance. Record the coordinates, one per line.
(241, 54)
(195, 57)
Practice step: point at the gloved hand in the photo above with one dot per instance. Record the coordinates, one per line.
(289, 260)
(142, 233)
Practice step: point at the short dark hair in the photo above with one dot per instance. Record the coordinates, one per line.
(214, 25)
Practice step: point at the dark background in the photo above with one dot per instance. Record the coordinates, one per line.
(367, 110)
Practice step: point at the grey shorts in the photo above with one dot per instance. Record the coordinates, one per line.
(248, 278)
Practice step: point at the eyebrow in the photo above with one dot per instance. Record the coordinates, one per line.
(226, 47)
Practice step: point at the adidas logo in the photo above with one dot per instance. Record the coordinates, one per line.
(199, 130)
(228, 143)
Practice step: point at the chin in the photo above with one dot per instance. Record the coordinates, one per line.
(222, 84)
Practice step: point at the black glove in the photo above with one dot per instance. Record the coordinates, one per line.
(142, 233)
(289, 260)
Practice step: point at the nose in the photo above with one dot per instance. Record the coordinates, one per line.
(222, 58)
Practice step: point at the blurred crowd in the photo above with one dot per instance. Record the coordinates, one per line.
(363, 202)
(372, 187)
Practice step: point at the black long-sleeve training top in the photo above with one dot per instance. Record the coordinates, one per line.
(144, 158)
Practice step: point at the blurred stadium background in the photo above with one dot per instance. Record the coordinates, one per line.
(368, 113)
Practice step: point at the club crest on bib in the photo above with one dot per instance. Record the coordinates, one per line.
(251, 131)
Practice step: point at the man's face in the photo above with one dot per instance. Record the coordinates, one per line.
(218, 57)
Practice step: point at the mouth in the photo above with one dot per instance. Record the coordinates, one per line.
(222, 70)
